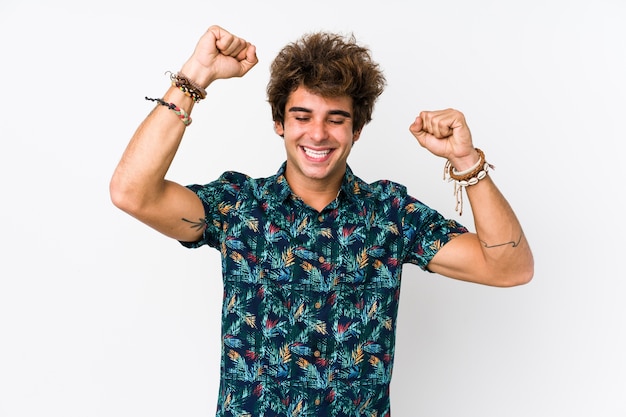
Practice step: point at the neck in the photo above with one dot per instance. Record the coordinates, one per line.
(319, 201)
(316, 194)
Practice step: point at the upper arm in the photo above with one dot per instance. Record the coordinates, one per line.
(176, 211)
(464, 258)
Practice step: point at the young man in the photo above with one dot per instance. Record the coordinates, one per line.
(312, 256)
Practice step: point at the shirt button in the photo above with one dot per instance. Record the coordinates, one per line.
(320, 218)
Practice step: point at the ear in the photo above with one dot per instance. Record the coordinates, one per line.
(279, 129)
(355, 136)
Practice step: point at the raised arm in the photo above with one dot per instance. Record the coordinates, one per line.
(138, 185)
(498, 254)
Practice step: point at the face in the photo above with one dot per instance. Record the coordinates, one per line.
(318, 138)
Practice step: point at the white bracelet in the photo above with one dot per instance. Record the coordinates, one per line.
(472, 181)
(466, 178)
(467, 171)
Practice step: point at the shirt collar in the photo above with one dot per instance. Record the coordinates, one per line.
(351, 187)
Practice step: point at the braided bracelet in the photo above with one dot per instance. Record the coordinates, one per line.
(187, 86)
(466, 178)
(182, 114)
(201, 91)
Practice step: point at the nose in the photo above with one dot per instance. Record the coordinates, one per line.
(318, 130)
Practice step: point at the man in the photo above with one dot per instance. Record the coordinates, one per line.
(312, 256)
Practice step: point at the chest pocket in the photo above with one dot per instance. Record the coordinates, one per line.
(369, 267)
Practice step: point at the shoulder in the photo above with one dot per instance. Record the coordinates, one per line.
(235, 185)
(393, 195)
(229, 182)
(234, 177)
(380, 190)
(388, 188)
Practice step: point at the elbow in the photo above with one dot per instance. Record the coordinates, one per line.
(515, 270)
(528, 276)
(527, 270)
(522, 275)
(519, 279)
(122, 195)
(117, 194)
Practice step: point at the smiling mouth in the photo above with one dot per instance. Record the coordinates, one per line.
(316, 154)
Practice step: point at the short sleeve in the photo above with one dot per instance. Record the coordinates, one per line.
(216, 197)
(425, 231)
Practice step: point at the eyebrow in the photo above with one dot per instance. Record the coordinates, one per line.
(331, 112)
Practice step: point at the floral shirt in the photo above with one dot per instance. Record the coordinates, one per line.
(311, 298)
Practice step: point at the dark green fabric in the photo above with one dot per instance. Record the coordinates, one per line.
(311, 298)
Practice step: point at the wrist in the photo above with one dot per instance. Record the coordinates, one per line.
(197, 73)
(467, 177)
(189, 87)
(467, 163)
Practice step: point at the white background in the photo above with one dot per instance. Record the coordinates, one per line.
(102, 316)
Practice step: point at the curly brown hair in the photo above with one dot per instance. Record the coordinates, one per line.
(330, 65)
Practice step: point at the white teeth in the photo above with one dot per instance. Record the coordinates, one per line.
(316, 154)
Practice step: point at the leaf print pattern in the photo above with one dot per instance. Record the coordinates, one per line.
(311, 298)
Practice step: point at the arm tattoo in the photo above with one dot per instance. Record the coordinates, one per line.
(512, 243)
(196, 225)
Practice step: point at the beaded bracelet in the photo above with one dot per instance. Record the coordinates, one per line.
(182, 114)
(466, 178)
(187, 86)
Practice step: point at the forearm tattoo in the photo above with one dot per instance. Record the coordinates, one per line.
(512, 243)
(196, 225)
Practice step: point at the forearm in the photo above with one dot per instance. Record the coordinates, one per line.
(503, 245)
(140, 174)
(498, 253)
